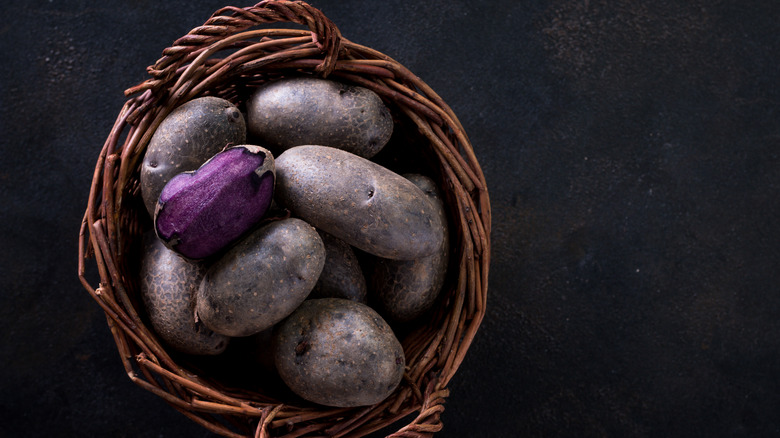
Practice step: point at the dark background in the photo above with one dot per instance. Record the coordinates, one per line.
(632, 152)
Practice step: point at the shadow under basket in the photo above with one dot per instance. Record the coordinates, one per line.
(229, 56)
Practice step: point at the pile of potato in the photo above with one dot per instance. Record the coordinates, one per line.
(219, 265)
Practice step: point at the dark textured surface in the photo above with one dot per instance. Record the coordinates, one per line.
(632, 154)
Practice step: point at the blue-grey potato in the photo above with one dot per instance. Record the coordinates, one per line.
(261, 279)
(307, 110)
(338, 352)
(168, 286)
(362, 203)
(405, 289)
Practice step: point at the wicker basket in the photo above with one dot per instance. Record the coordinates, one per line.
(229, 56)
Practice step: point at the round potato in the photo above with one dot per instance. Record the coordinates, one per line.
(341, 276)
(261, 279)
(306, 110)
(360, 202)
(405, 289)
(338, 352)
(168, 287)
(186, 138)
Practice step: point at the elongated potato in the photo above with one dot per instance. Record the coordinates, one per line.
(261, 279)
(405, 289)
(306, 110)
(358, 201)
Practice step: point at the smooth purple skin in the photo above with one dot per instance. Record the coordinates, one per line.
(201, 212)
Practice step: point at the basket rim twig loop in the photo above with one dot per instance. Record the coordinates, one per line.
(231, 20)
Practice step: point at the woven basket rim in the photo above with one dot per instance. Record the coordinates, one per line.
(226, 56)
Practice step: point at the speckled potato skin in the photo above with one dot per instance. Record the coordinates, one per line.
(337, 352)
(262, 279)
(360, 202)
(306, 110)
(187, 138)
(168, 286)
(341, 276)
(405, 289)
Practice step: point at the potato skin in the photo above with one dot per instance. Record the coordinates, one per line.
(338, 352)
(168, 287)
(200, 212)
(405, 289)
(360, 202)
(341, 276)
(262, 279)
(306, 110)
(187, 138)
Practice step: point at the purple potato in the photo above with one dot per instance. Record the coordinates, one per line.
(307, 110)
(261, 279)
(360, 202)
(168, 286)
(405, 289)
(202, 211)
(186, 138)
(341, 276)
(337, 352)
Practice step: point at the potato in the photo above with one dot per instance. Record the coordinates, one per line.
(202, 211)
(358, 201)
(261, 279)
(186, 138)
(341, 276)
(168, 286)
(306, 110)
(338, 352)
(405, 289)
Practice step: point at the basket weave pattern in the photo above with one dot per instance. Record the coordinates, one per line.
(228, 56)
